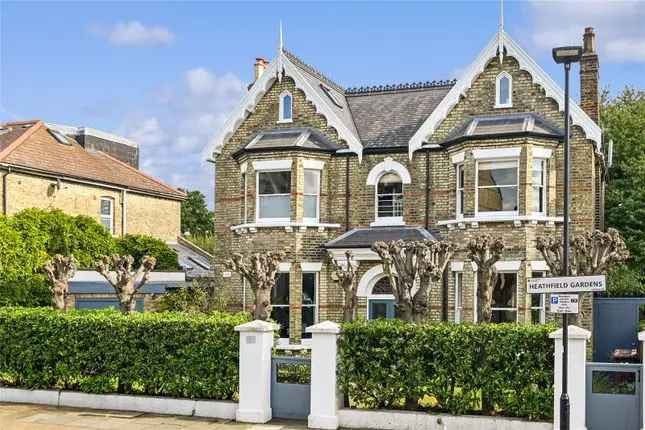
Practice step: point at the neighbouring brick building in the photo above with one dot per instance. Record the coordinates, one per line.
(84, 172)
(311, 168)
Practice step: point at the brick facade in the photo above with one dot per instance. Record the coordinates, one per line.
(429, 199)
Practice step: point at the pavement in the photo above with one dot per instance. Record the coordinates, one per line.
(37, 417)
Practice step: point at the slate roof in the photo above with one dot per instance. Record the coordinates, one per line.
(388, 118)
(365, 237)
(195, 262)
(284, 138)
(505, 124)
(36, 149)
(382, 117)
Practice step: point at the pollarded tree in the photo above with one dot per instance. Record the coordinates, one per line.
(345, 275)
(410, 267)
(485, 250)
(591, 253)
(118, 271)
(594, 253)
(59, 271)
(260, 271)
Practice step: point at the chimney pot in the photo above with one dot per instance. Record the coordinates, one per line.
(589, 41)
(259, 67)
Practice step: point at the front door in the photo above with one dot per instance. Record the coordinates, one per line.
(381, 309)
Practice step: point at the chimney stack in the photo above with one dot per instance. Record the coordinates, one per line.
(589, 76)
(259, 67)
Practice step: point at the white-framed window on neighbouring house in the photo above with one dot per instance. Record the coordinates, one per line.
(538, 181)
(459, 173)
(538, 303)
(309, 301)
(280, 304)
(274, 196)
(503, 90)
(505, 298)
(497, 187)
(389, 197)
(286, 107)
(244, 198)
(107, 213)
(458, 278)
(312, 196)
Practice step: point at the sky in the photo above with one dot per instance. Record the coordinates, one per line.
(166, 74)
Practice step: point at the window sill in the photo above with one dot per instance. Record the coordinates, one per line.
(388, 222)
(289, 226)
(517, 220)
(284, 121)
(503, 106)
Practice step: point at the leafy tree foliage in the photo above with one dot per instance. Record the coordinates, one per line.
(196, 219)
(139, 246)
(623, 119)
(201, 296)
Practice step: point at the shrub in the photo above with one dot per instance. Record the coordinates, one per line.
(625, 282)
(448, 367)
(160, 354)
(138, 246)
(64, 234)
(202, 295)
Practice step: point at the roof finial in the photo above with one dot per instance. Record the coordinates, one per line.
(500, 33)
(279, 58)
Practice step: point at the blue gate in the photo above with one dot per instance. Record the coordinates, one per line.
(613, 396)
(290, 387)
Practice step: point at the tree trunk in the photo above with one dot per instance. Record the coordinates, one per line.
(484, 296)
(58, 299)
(404, 311)
(349, 306)
(262, 309)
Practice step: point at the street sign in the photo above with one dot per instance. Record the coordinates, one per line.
(568, 284)
(564, 303)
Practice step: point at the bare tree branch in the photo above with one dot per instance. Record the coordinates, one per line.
(345, 275)
(260, 271)
(117, 270)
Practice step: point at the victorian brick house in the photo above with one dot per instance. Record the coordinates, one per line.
(309, 167)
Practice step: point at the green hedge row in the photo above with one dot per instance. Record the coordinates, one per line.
(504, 369)
(161, 354)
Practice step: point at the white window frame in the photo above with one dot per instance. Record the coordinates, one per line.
(542, 307)
(281, 118)
(257, 197)
(459, 192)
(517, 288)
(544, 186)
(285, 268)
(458, 285)
(498, 88)
(109, 217)
(316, 219)
(371, 296)
(245, 210)
(387, 220)
(496, 214)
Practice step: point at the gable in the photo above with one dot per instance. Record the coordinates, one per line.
(326, 98)
(526, 63)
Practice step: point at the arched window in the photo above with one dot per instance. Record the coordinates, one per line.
(380, 303)
(504, 90)
(286, 107)
(389, 196)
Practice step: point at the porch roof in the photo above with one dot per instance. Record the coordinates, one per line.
(365, 237)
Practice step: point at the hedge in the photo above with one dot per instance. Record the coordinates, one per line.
(159, 354)
(504, 369)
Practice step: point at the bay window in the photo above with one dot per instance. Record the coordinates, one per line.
(309, 301)
(504, 305)
(274, 195)
(458, 278)
(538, 180)
(538, 311)
(280, 304)
(497, 187)
(459, 170)
(312, 195)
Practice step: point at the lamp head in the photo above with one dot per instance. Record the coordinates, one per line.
(567, 54)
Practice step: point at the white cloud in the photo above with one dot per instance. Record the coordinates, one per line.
(176, 124)
(134, 33)
(619, 28)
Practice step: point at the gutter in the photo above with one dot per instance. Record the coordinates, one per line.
(5, 191)
(67, 178)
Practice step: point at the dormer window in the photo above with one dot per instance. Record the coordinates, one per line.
(503, 91)
(286, 107)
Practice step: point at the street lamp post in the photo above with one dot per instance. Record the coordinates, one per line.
(566, 55)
